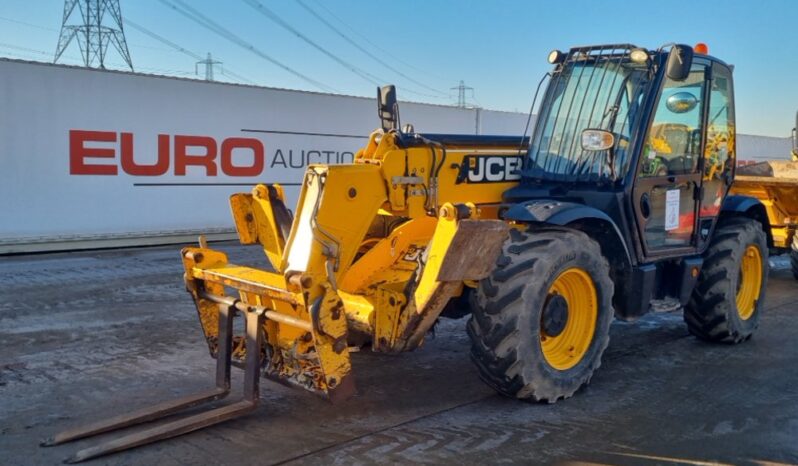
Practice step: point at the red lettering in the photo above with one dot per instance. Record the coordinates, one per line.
(196, 151)
(130, 166)
(183, 160)
(78, 152)
(254, 169)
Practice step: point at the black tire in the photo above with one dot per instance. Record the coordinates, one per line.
(712, 314)
(794, 256)
(505, 326)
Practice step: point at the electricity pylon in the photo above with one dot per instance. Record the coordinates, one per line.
(98, 24)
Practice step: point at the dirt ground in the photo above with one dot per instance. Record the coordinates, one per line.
(87, 335)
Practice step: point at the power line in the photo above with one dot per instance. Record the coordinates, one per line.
(237, 76)
(184, 51)
(363, 49)
(44, 28)
(260, 8)
(207, 23)
(24, 49)
(24, 56)
(71, 57)
(36, 51)
(162, 39)
(136, 26)
(370, 42)
(10, 20)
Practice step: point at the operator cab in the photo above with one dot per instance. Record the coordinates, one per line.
(642, 139)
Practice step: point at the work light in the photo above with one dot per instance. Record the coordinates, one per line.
(555, 56)
(638, 55)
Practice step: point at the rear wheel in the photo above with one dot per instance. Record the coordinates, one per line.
(540, 322)
(729, 295)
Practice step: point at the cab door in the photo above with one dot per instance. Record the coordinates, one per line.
(667, 188)
(719, 150)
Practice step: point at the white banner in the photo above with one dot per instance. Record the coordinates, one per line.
(92, 155)
(100, 158)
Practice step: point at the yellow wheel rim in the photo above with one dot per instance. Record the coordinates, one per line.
(749, 283)
(566, 349)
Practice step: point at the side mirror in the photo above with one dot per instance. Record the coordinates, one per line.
(681, 102)
(680, 59)
(387, 108)
(594, 140)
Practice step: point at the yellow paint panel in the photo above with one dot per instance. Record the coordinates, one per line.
(387, 252)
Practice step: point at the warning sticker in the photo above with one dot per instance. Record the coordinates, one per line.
(672, 209)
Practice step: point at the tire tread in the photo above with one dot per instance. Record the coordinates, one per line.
(709, 313)
(499, 300)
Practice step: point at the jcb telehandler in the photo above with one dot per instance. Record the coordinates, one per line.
(617, 200)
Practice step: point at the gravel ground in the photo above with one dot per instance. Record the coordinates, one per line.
(90, 334)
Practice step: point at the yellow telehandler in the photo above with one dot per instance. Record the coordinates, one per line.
(544, 239)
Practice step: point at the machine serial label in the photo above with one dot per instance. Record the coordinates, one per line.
(489, 169)
(671, 209)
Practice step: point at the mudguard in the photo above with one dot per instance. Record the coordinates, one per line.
(630, 302)
(553, 212)
(751, 207)
(560, 213)
(740, 203)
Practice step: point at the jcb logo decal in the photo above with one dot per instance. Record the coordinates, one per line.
(489, 169)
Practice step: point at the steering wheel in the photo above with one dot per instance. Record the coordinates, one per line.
(659, 167)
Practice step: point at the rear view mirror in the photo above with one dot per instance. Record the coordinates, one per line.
(681, 102)
(680, 59)
(387, 108)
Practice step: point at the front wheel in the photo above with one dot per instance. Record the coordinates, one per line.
(728, 298)
(540, 322)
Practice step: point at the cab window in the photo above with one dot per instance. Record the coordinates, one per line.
(673, 144)
(719, 150)
(719, 155)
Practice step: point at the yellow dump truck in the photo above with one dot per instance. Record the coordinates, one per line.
(544, 240)
(775, 184)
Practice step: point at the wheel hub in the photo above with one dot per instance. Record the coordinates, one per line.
(555, 315)
(749, 282)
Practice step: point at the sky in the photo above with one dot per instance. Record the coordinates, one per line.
(497, 47)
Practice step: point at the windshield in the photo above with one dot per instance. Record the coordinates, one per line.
(597, 89)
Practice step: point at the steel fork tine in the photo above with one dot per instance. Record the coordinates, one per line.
(165, 431)
(254, 341)
(137, 417)
(166, 408)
